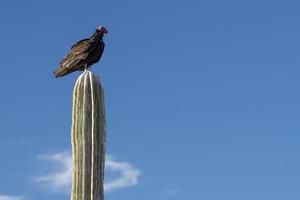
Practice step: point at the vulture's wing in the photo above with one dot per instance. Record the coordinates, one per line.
(78, 52)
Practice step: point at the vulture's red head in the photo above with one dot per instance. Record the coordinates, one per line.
(102, 30)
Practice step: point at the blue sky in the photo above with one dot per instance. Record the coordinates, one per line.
(202, 97)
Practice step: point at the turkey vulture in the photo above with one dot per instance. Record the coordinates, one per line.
(83, 54)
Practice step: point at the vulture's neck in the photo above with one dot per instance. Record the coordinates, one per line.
(97, 37)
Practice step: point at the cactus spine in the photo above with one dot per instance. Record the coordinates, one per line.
(88, 138)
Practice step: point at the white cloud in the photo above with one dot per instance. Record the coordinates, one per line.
(128, 174)
(6, 197)
(60, 179)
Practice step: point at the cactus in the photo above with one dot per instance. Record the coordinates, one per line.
(88, 138)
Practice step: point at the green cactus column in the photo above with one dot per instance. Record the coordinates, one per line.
(88, 138)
